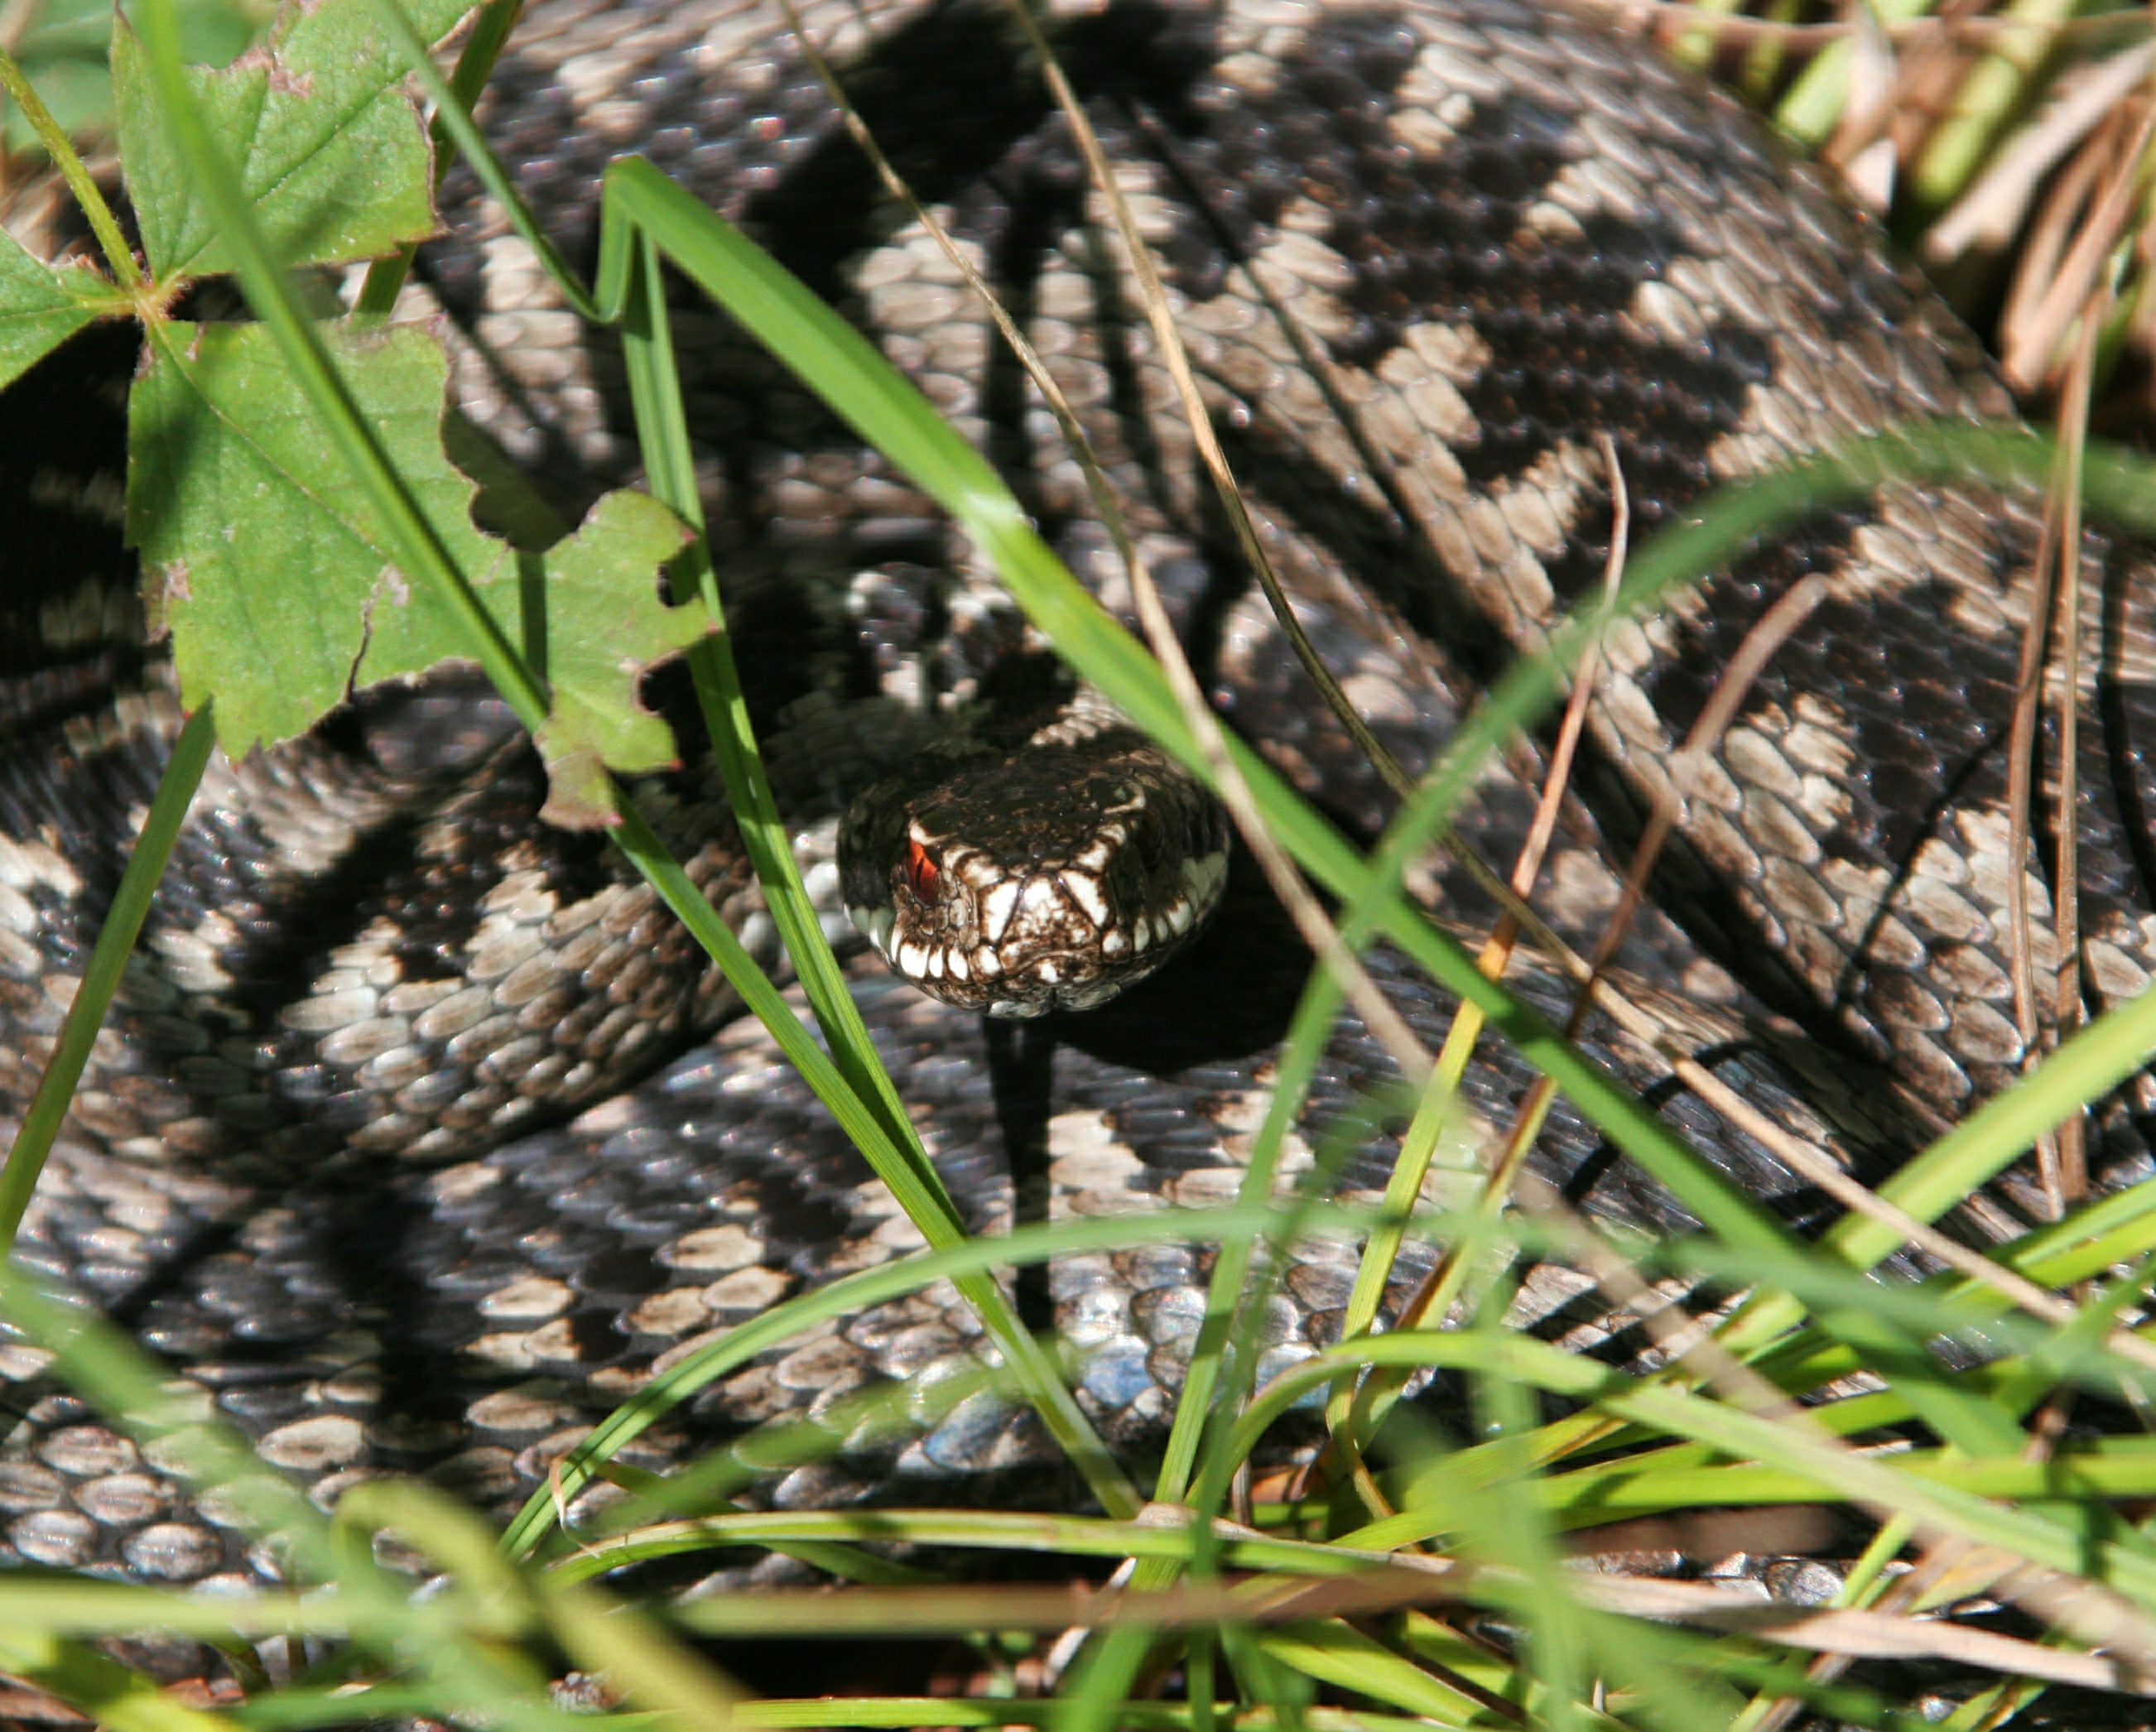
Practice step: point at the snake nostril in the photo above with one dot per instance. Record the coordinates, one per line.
(921, 872)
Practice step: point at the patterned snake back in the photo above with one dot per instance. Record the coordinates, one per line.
(399, 1147)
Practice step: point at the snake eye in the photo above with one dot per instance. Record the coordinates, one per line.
(920, 874)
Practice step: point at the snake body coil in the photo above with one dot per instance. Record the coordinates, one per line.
(359, 1156)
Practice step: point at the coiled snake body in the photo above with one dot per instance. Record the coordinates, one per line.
(360, 1157)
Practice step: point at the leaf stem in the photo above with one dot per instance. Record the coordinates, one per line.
(125, 271)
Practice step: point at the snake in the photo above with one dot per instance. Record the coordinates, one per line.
(421, 1136)
(1033, 863)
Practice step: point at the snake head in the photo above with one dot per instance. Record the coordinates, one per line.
(1050, 876)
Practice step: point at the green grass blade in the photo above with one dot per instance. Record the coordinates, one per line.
(452, 102)
(1339, 1654)
(671, 469)
(1748, 1436)
(453, 99)
(2086, 1066)
(2104, 1469)
(875, 1286)
(100, 977)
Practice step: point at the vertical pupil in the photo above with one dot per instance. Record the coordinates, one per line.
(920, 871)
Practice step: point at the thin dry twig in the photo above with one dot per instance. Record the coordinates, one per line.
(1435, 1293)
(2027, 345)
(1389, 1582)
(1856, 1633)
(1768, 634)
(1879, 89)
(1996, 203)
(2066, 501)
(1557, 782)
(2056, 573)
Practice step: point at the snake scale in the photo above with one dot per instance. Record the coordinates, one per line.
(401, 1146)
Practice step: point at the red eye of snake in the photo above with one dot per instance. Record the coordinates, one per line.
(920, 871)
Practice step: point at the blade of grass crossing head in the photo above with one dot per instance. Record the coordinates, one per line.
(913, 1182)
(669, 466)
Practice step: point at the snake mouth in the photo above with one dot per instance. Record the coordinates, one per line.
(1048, 877)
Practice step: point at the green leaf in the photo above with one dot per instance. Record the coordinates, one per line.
(257, 552)
(280, 584)
(328, 145)
(40, 308)
(65, 48)
(595, 721)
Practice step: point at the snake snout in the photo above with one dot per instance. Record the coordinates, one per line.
(1047, 878)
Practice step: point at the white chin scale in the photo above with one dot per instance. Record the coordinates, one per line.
(875, 925)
